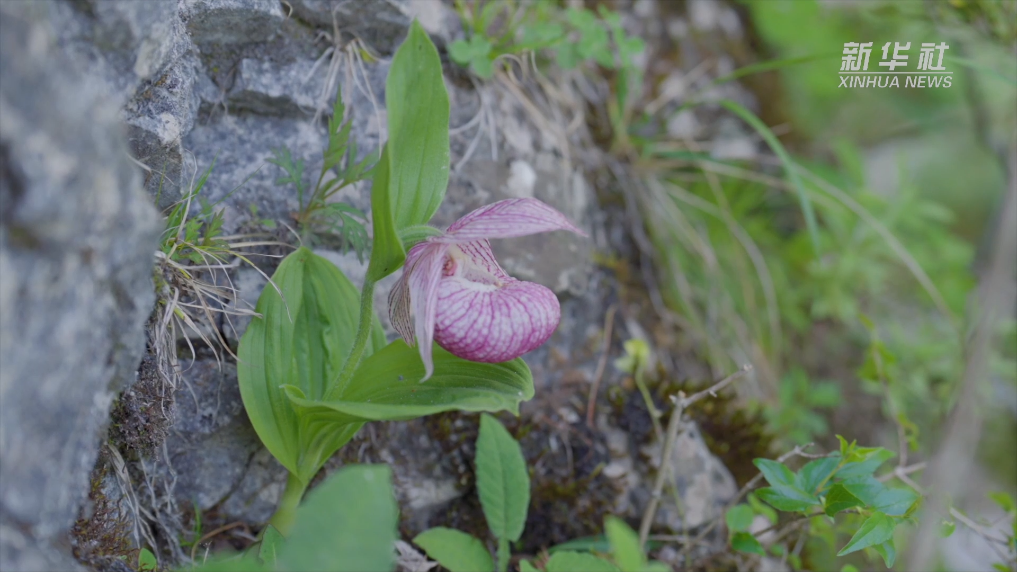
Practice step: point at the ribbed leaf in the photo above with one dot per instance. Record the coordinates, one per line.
(502, 481)
(386, 388)
(455, 550)
(348, 523)
(418, 144)
(301, 340)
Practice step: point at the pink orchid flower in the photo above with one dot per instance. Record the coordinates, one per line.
(452, 290)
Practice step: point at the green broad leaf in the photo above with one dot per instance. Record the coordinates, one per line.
(386, 387)
(566, 561)
(775, 473)
(271, 540)
(838, 499)
(816, 473)
(461, 52)
(745, 542)
(876, 529)
(598, 543)
(348, 523)
(527, 566)
(888, 551)
(147, 560)
(895, 502)
(787, 498)
(761, 508)
(866, 489)
(503, 484)
(739, 518)
(624, 545)
(301, 340)
(870, 460)
(387, 253)
(455, 550)
(1004, 500)
(418, 144)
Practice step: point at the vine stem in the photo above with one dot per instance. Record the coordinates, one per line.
(284, 516)
(359, 344)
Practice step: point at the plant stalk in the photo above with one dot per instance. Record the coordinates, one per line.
(284, 516)
(359, 344)
(504, 552)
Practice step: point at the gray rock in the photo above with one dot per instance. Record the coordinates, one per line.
(703, 483)
(212, 22)
(145, 60)
(211, 440)
(158, 116)
(76, 242)
(121, 43)
(380, 23)
(269, 88)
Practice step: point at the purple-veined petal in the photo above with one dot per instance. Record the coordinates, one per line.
(483, 314)
(494, 324)
(506, 219)
(416, 295)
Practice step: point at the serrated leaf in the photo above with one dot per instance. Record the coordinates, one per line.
(838, 499)
(271, 540)
(739, 518)
(455, 550)
(347, 523)
(787, 498)
(876, 529)
(503, 483)
(815, 473)
(301, 342)
(745, 542)
(566, 561)
(775, 473)
(624, 545)
(418, 142)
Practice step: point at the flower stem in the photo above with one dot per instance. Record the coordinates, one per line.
(360, 343)
(283, 518)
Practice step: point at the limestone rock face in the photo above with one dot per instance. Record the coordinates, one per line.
(77, 235)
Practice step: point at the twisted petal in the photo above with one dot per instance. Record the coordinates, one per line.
(506, 219)
(416, 295)
(485, 315)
